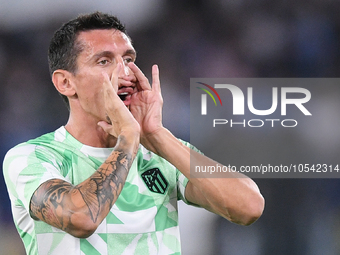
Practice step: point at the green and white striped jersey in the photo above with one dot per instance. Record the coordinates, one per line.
(143, 220)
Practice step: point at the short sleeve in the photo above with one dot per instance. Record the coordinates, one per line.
(25, 168)
(183, 181)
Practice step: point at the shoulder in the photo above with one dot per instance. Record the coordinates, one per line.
(29, 164)
(28, 153)
(29, 148)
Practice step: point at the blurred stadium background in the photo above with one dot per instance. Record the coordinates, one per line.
(195, 38)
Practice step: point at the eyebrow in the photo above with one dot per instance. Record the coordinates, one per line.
(131, 52)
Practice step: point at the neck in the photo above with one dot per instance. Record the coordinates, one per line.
(89, 133)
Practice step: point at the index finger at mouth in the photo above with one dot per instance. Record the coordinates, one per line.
(110, 96)
(114, 76)
(107, 86)
(106, 80)
(110, 84)
(143, 81)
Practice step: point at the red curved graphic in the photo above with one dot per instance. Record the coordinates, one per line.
(218, 96)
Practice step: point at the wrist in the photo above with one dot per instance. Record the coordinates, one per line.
(158, 141)
(129, 139)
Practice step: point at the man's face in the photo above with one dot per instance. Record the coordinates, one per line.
(102, 51)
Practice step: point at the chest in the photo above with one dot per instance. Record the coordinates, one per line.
(151, 180)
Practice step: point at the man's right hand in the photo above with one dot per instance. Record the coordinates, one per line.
(119, 118)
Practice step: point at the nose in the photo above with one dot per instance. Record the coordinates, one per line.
(125, 71)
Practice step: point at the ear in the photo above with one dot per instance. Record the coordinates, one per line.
(61, 81)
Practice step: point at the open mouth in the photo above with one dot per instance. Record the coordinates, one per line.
(123, 95)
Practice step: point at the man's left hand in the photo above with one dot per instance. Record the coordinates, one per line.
(146, 105)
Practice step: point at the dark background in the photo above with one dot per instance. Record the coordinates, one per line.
(216, 38)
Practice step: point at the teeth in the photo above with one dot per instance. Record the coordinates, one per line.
(123, 95)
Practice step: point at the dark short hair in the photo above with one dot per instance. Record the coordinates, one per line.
(64, 48)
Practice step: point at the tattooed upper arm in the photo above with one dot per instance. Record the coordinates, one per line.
(47, 202)
(61, 205)
(79, 209)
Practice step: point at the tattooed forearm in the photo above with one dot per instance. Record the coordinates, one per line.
(61, 204)
(105, 185)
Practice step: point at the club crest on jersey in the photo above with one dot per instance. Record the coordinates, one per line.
(155, 181)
